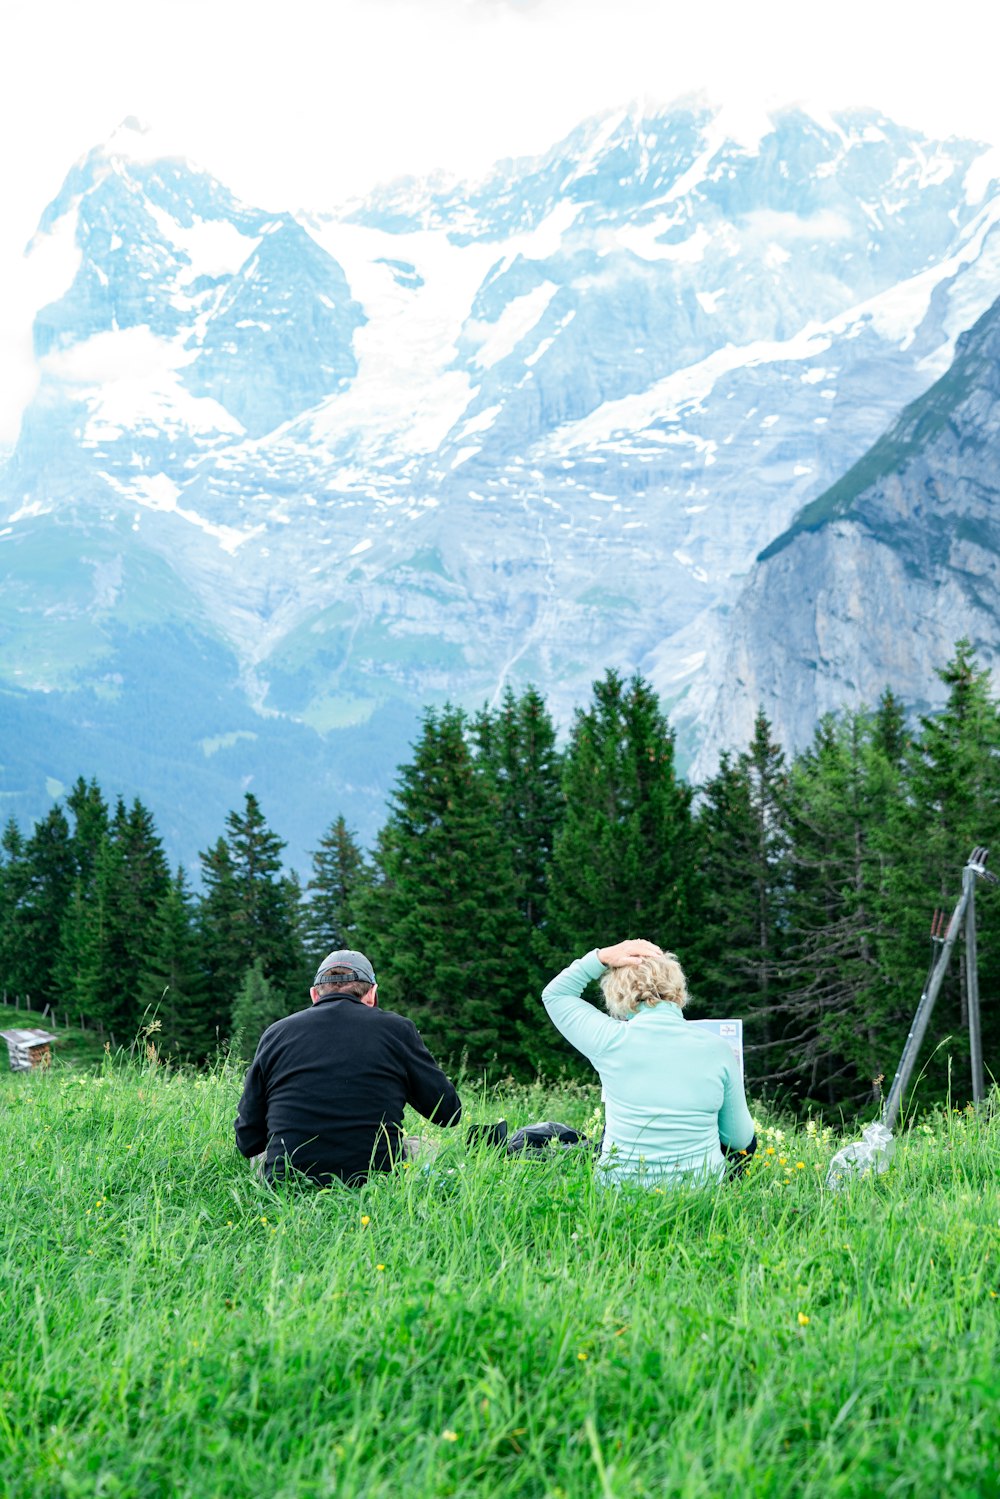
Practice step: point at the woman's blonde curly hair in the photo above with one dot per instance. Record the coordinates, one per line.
(653, 981)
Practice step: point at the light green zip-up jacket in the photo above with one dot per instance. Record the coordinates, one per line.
(672, 1091)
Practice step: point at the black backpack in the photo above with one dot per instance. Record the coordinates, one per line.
(531, 1139)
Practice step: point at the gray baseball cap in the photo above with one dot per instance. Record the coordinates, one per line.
(355, 961)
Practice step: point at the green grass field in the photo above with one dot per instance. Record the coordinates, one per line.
(483, 1326)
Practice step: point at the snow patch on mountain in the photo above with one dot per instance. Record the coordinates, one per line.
(406, 395)
(498, 340)
(626, 420)
(159, 493)
(52, 260)
(981, 177)
(129, 381)
(898, 313)
(645, 240)
(212, 247)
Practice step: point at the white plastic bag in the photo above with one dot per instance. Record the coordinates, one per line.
(872, 1152)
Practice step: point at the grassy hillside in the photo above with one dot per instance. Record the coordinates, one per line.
(478, 1325)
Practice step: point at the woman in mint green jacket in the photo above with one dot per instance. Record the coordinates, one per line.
(673, 1094)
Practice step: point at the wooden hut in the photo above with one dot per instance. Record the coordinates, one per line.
(28, 1049)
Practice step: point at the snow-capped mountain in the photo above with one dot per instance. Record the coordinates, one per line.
(287, 478)
(876, 579)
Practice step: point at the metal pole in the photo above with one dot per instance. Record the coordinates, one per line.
(972, 986)
(921, 1019)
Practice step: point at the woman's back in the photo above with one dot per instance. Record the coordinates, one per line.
(672, 1091)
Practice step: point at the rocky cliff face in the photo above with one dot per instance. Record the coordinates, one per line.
(288, 479)
(878, 577)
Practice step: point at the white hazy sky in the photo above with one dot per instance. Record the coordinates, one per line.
(307, 101)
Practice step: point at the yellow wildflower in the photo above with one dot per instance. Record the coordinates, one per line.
(365, 1220)
(582, 1356)
(800, 1165)
(449, 1436)
(803, 1320)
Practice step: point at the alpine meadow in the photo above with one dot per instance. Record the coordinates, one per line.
(476, 1323)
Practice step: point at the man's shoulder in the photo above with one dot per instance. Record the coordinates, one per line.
(395, 1021)
(351, 1009)
(388, 1021)
(287, 1023)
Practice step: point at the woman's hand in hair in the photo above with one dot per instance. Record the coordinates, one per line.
(628, 954)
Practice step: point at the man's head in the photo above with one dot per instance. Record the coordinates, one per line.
(345, 972)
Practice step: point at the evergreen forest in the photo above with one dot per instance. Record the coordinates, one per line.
(797, 892)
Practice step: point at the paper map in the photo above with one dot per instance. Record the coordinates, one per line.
(730, 1031)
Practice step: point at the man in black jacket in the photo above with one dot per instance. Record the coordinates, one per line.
(326, 1089)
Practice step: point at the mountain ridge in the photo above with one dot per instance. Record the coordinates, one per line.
(441, 443)
(917, 424)
(876, 581)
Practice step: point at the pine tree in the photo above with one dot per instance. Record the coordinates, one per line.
(74, 945)
(90, 827)
(256, 1006)
(109, 931)
(90, 823)
(843, 793)
(51, 871)
(727, 948)
(172, 983)
(518, 743)
(743, 827)
(266, 911)
(622, 859)
(438, 921)
(621, 862)
(220, 949)
(340, 876)
(952, 804)
(249, 911)
(146, 880)
(889, 732)
(15, 957)
(100, 988)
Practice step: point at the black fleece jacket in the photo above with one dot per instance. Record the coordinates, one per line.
(327, 1087)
